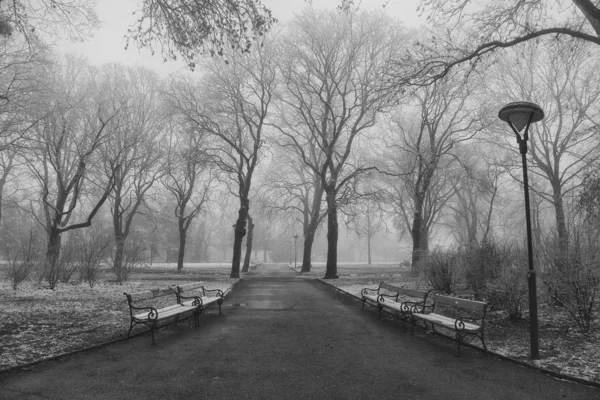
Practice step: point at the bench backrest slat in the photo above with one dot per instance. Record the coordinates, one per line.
(478, 306)
(151, 294)
(403, 291)
(190, 286)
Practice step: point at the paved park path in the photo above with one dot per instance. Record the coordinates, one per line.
(285, 337)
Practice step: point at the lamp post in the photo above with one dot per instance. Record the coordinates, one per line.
(295, 239)
(521, 115)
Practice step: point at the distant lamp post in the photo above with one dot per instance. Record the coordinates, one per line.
(521, 115)
(295, 254)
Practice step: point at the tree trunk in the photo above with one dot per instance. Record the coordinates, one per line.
(307, 250)
(52, 254)
(240, 232)
(119, 251)
(182, 241)
(246, 266)
(332, 237)
(416, 237)
(369, 248)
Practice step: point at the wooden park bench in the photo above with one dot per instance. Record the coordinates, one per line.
(148, 307)
(464, 317)
(192, 293)
(395, 300)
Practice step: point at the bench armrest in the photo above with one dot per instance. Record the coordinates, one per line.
(218, 291)
(459, 324)
(197, 301)
(152, 312)
(371, 291)
(418, 307)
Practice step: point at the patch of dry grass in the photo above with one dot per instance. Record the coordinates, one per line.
(37, 322)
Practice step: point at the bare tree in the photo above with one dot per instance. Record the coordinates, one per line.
(76, 125)
(190, 28)
(422, 150)
(295, 192)
(562, 77)
(133, 156)
(47, 18)
(232, 105)
(333, 67)
(189, 180)
(473, 30)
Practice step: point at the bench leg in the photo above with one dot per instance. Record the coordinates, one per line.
(130, 328)
(363, 301)
(459, 338)
(380, 310)
(219, 303)
(152, 329)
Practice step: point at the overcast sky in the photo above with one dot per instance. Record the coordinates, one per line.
(108, 44)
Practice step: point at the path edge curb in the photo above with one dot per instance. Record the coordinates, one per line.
(554, 374)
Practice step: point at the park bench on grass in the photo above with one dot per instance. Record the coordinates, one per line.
(254, 264)
(144, 307)
(394, 300)
(191, 293)
(464, 317)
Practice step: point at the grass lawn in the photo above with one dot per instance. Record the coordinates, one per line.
(37, 322)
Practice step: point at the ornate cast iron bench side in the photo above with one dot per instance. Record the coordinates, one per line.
(468, 317)
(206, 297)
(370, 295)
(398, 304)
(150, 315)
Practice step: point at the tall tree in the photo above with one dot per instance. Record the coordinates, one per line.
(422, 151)
(189, 28)
(232, 105)
(189, 179)
(295, 192)
(76, 124)
(133, 155)
(562, 77)
(333, 67)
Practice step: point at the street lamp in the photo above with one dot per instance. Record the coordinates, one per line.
(295, 239)
(521, 115)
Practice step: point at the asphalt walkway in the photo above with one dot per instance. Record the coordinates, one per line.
(285, 337)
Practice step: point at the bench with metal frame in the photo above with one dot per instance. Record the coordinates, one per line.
(464, 317)
(189, 293)
(394, 300)
(143, 308)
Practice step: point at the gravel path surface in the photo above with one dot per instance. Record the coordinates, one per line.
(283, 337)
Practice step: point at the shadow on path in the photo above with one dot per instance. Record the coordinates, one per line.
(283, 337)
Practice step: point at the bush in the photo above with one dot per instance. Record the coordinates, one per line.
(482, 264)
(571, 275)
(132, 258)
(508, 290)
(441, 270)
(92, 252)
(21, 265)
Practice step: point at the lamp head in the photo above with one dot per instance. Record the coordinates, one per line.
(521, 113)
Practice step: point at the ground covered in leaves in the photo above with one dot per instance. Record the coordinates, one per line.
(563, 348)
(37, 323)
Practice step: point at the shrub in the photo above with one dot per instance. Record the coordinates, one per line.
(132, 258)
(441, 270)
(508, 290)
(21, 265)
(482, 263)
(92, 252)
(571, 276)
